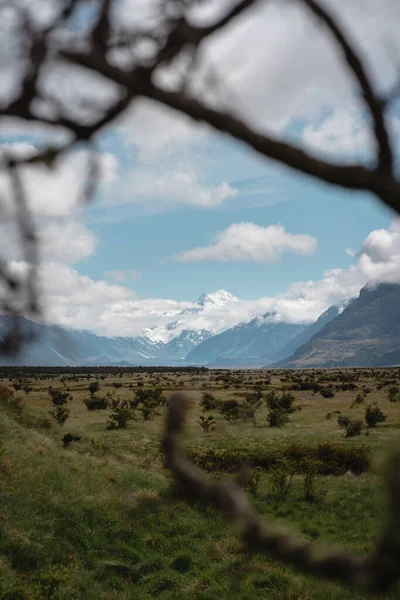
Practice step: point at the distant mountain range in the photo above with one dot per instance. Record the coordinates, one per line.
(163, 345)
(365, 333)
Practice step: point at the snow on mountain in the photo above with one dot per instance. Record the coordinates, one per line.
(206, 303)
(216, 299)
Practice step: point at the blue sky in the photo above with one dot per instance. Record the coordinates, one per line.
(130, 239)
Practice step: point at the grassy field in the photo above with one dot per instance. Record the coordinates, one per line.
(98, 519)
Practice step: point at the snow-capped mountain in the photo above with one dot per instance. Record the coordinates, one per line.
(216, 299)
(162, 345)
(204, 305)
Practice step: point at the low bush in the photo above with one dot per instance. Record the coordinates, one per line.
(122, 414)
(207, 424)
(333, 459)
(353, 427)
(60, 414)
(96, 403)
(209, 401)
(374, 415)
(58, 397)
(327, 392)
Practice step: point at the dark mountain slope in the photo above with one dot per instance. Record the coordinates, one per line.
(366, 333)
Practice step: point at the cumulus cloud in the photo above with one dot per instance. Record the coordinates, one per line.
(251, 242)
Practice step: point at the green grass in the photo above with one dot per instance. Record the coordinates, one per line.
(97, 521)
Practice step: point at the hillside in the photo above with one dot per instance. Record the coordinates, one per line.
(366, 333)
(253, 343)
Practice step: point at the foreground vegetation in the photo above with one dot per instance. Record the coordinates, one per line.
(87, 509)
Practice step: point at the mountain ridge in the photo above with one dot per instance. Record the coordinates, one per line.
(366, 333)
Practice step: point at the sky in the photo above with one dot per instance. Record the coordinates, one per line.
(182, 210)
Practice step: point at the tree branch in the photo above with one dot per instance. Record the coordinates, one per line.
(373, 102)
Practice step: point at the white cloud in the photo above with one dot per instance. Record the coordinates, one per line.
(64, 240)
(169, 161)
(281, 64)
(251, 242)
(170, 187)
(57, 191)
(121, 276)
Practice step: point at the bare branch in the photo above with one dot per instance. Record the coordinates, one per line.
(372, 100)
(376, 573)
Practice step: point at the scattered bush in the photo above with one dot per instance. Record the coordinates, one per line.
(394, 396)
(69, 438)
(280, 407)
(96, 403)
(94, 387)
(58, 397)
(60, 414)
(374, 415)
(353, 427)
(209, 402)
(327, 392)
(207, 424)
(120, 417)
(251, 486)
(281, 477)
(360, 398)
(230, 409)
(310, 468)
(277, 418)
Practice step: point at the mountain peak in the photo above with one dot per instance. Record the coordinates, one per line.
(218, 298)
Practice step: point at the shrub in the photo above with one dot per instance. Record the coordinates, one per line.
(58, 397)
(120, 417)
(277, 418)
(394, 397)
(5, 393)
(230, 409)
(251, 486)
(310, 468)
(209, 401)
(60, 414)
(327, 392)
(68, 438)
(279, 408)
(360, 398)
(148, 397)
(353, 427)
(94, 387)
(281, 478)
(148, 408)
(329, 415)
(96, 403)
(284, 402)
(207, 424)
(374, 415)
